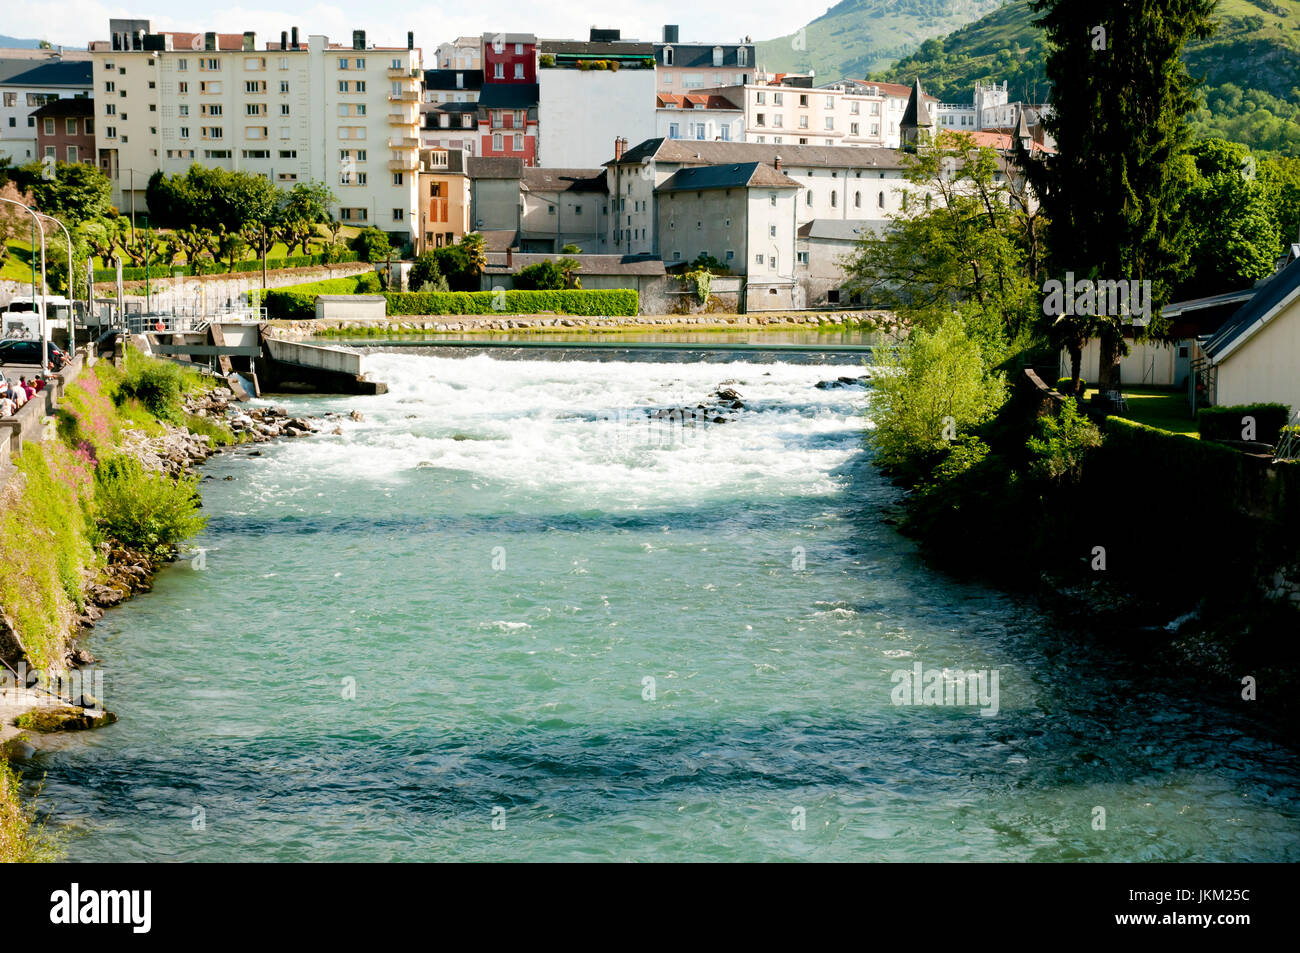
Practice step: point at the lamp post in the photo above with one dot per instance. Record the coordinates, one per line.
(45, 328)
(72, 318)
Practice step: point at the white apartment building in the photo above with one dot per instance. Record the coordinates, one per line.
(699, 116)
(581, 112)
(990, 108)
(348, 116)
(793, 112)
(462, 53)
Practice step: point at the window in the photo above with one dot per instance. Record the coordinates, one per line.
(182, 87)
(830, 102)
(185, 132)
(807, 196)
(256, 153)
(834, 198)
(724, 133)
(255, 86)
(519, 143)
(857, 200)
(519, 71)
(880, 200)
(760, 119)
(853, 129)
(254, 109)
(519, 119)
(70, 127)
(674, 131)
(497, 142)
(742, 56)
(211, 132)
(212, 88)
(519, 49)
(254, 63)
(182, 64)
(111, 132)
(668, 56)
(730, 255)
(803, 122)
(209, 153)
(853, 107)
(771, 199)
(50, 153)
(399, 214)
(771, 261)
(287, 177)
(771, 231)
(109, 87)
(803, 100)
(284, 85)
(210, 109)
(550, 210)
(778, 99)
(778, 120)
(717, 56)
(830, 123)
(398, 178)
(758, 259)
(284, 62)
(254, 132)
(90, 126)
(48, 125)
(801, 257)
(288, 153)
(361, 62)
(498, 71)
(110, 109)
(833, 296)
(760, 97)
(209, 64)
(284, 109)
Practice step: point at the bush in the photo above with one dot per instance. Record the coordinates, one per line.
(599, 303)
(546, 60)
(298, 302)
(372, 245)
(543, 276)
(145, 510)
(157, 385)
(1063, 386)
(23, 838)
(1227, 423)
(1060, 444)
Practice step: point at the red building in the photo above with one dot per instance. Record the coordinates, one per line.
(65, 130)
(509, 58)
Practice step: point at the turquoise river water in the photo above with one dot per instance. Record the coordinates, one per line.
(504, 617)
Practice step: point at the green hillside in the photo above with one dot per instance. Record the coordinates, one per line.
(1251, 68)
(855, 37)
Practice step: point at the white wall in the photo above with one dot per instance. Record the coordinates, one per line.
(726, 125)
(581, 114)
(1266, 367)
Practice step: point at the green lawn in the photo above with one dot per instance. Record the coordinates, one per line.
(1155, 407)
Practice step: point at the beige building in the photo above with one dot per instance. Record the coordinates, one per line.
(444, 198)
(688, 67)
(346, 115)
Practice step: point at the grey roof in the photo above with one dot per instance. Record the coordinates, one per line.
(449, 108)
(77, 73)
(591, 264)
(67, 106)
(446, 78)
(700, 55)
(731, 176)
(455, 161)
(509, 38)
(565, 180)
(842, 230)
(710, 152)
(596, 50)
(508, 95)
(494, 167)
(499, 239)
(914, 116)
(1271, 297)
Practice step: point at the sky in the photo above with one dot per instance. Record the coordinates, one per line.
(75, 22)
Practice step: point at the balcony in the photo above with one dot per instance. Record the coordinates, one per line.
(403, 119)
(402, 72)
(405, 96)
(404, 164)
(405, 142)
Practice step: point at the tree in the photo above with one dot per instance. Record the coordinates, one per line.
(543, 276)
(14, 222)
(78, 192)
(475, 250)
(1121, 96)
(372, 245)
(425, 271)
(211, 197)
(569, 267)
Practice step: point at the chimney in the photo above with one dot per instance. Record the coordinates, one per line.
(293, 34)
(284, 40)
(358, 39)
(776, 163)
(510, 257)
(410, 39)
(618, 148)
(209, 40)
(250, 41)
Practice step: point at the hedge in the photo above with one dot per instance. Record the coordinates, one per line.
(594, 303)
(1225, 423)
(255, 264)
(299, 301)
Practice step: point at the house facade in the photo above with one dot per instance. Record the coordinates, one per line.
(564, 207)
(686, 67)
(27, 84)
(495, 204)
(699, 116)
(444, 198)
(449, 110)
(347, 115)
(65, 130)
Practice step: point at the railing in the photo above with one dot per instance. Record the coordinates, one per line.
(402, 119)
(403, 165)
(405, 142)
(405, 96)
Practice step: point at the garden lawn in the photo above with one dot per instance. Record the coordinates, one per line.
(1155, 407)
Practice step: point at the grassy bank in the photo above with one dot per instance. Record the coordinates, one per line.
(74, 492)
(396, 328)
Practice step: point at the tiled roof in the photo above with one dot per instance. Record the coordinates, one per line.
(232, 42)
(1279, 291)
(731, 176)
(565, 180)
(494, 167)
(708, 152)
(695, 101)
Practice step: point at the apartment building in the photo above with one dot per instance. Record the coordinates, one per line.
(347, 115)
(462, 53)
(590, 93)
(683, 67)
(449, 112)
(27, 84)
(65, 130)
(444, 198)
(700, 116)
(507, 113)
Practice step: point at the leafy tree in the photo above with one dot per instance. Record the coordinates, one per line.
(1281, 177)
(475, 250)
(77, 193)
(937, 389)
(569, 267)
(425, 271)
(211, 197)
(1120, 106)
(372, 245)
(542, 276)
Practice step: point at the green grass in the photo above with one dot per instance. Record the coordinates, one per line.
(23, 839)
(1159, 408)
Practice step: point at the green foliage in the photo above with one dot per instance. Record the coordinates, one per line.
(78, 192)
(298, 302)
(212, 197)
(546, 60)
(602, 303)
(1065, 386)
(240, 267)
(1228, 423)
(1060, 444)
(936, 389)
(542, 276)
(372, 245)
(147, 511)
(425, 271)
(23, 839)
(158, 385)
(703, 279)
(571, 249)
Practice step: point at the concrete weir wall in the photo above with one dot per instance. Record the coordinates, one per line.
(330, 370)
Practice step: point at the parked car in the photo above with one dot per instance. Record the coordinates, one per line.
(29, 352)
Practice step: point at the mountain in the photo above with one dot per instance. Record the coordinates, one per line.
(855, 37)
(14, 43)
(1251, 68)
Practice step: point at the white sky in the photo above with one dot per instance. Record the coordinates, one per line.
(75, 22)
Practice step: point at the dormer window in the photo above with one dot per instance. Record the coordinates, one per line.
(717, 56)
(668, 56)
(741, 56)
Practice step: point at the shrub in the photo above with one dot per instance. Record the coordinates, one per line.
(298, 302)
(597, 303)
(23, 839)
(542, 276)
(1228, 423)
(546, 60)
(1060, 444)
(144, 510)
(1063, 385)
(372, 245)
(157, 385)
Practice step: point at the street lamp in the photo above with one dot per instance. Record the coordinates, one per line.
(72, 318)
(45, 328)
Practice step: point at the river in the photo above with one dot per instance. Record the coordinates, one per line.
(502, 616)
